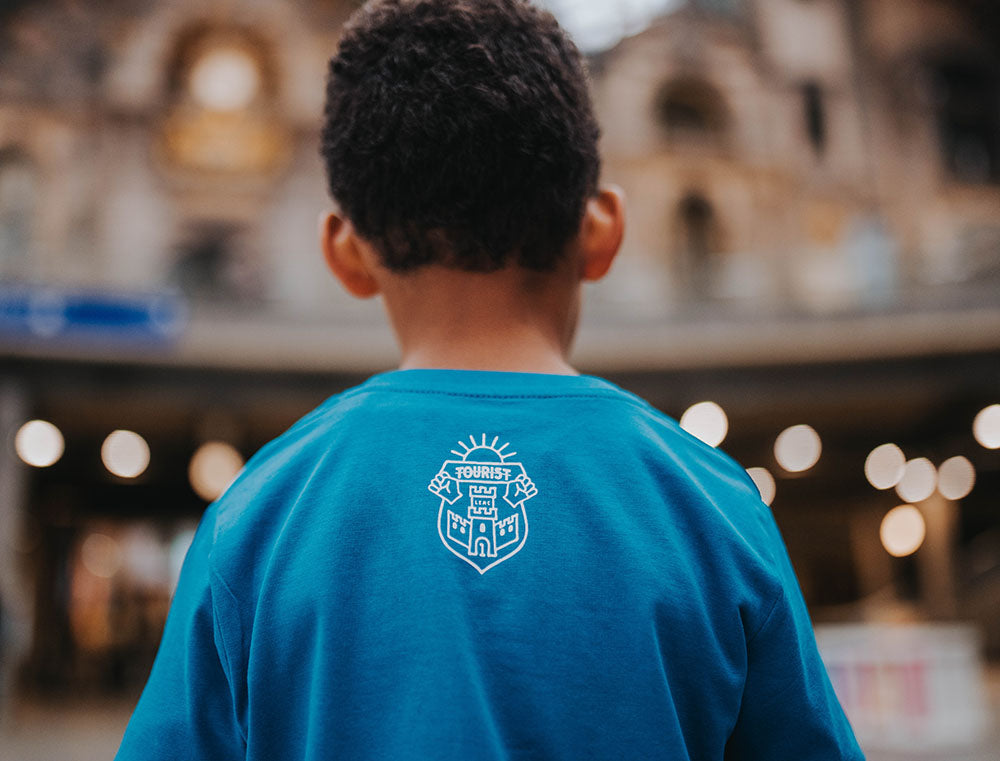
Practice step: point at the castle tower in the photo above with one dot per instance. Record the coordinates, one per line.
(482, 502)
(482, 520)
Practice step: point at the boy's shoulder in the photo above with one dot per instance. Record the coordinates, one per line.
(578, 435)
(373, 412)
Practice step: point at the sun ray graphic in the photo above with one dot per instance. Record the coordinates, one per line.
(482, 444)
(499, 450)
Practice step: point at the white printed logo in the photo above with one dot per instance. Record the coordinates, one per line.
(489, 525)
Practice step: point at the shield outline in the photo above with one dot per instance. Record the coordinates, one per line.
(519, 506)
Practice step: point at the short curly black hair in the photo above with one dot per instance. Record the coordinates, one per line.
(460, 133)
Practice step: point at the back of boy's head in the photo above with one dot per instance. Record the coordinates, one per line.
(460, 133)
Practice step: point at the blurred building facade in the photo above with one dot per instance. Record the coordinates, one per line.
(792, 156)
(814, 238)
(819, 156)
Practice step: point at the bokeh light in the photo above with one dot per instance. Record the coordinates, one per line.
(39, 443)
(902, 531)
(707, 421)
(101, 555)
(798, 448)
(986, 427)
(765, 484)
(125, 453)
(144, 558)
(884, 466)
(213, 467)
(956, 477)
(919, 480)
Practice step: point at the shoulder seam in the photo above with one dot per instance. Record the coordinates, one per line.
(767, 618)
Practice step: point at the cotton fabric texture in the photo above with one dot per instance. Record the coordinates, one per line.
(640, 603)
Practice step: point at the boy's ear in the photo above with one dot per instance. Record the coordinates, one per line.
(346, 255)
(602, 231)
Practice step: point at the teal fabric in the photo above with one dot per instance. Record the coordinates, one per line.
(639, 604)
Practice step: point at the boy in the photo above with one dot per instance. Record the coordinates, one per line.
(482, 555)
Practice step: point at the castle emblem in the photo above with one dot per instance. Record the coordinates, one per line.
(482, 518)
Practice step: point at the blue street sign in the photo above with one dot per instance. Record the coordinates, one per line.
(45, 313)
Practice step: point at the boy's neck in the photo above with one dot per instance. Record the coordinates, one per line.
(520, 353)
(512, 320)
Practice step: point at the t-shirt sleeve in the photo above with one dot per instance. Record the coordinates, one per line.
(789, 709)
(186, 710)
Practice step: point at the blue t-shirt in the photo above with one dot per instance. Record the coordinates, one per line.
(443, 564)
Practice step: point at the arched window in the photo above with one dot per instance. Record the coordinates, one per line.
(220, 69)
(223, 116)
(212, 265)
(814, 116)
(966, 98)
(698, 242)
(690, 110)
(18, 198)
